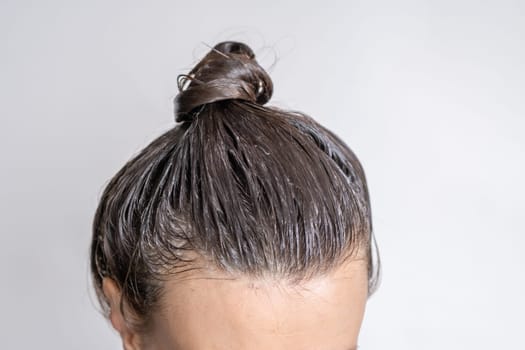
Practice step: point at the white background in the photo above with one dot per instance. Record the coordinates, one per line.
(429, 95)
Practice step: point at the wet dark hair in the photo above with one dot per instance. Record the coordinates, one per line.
(250, 189)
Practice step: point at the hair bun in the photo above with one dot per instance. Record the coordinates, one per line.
(228, 71)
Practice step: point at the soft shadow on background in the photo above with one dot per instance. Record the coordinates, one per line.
(429, 95)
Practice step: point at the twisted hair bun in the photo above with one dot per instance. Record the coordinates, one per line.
(228, 71)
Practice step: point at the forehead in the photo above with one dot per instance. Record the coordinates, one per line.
(207, 310)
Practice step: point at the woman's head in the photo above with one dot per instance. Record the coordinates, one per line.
(243, 227)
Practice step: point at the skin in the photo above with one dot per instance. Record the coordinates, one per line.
(213, 311)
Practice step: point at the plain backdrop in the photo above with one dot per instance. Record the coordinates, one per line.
(428, 94)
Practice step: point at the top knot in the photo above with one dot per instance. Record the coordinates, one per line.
(228, 71)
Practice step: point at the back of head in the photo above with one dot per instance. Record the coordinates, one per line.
(245, 188)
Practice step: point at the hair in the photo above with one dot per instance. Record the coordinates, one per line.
(250, 189)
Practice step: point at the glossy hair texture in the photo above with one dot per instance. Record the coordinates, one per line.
(252, 190)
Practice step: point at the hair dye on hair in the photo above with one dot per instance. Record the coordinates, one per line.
(250, 189)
